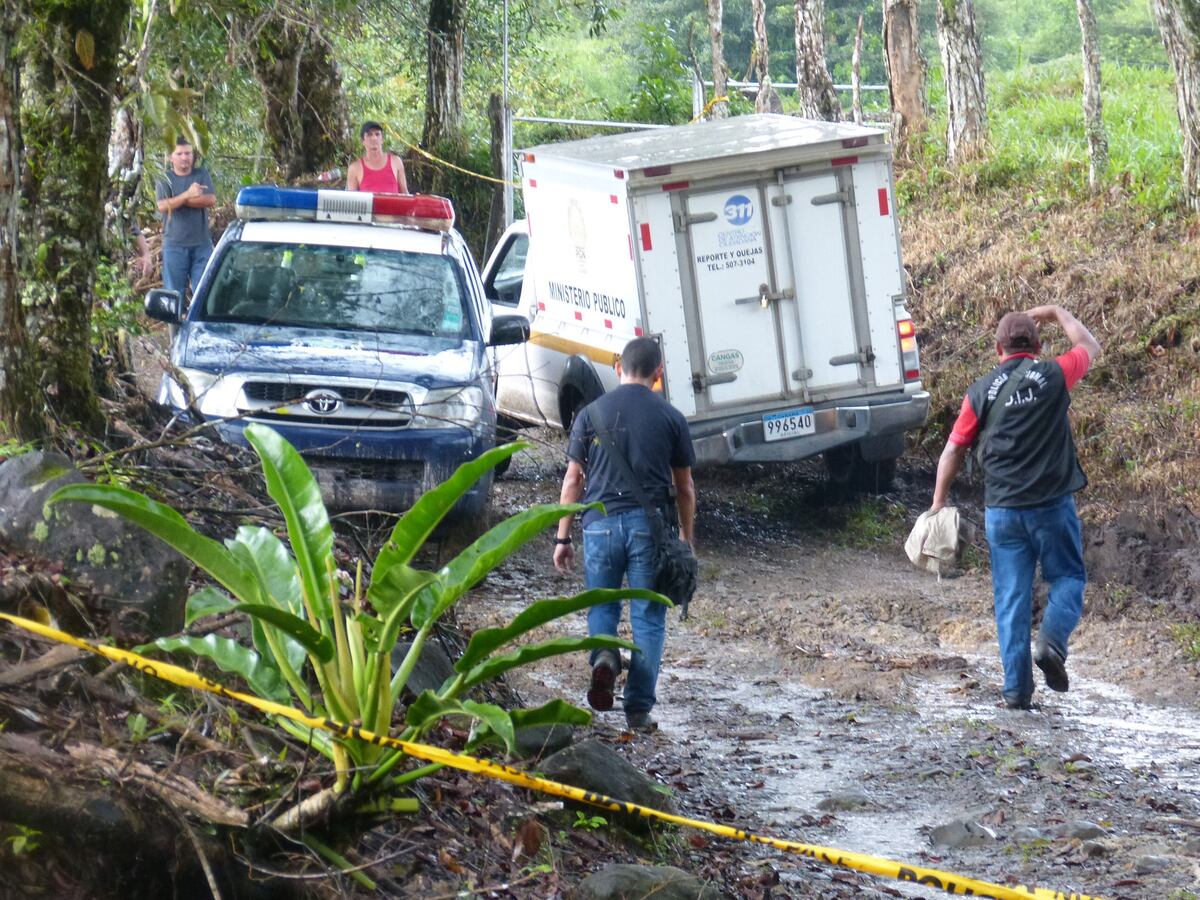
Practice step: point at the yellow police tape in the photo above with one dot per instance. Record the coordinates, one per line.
(874, 865)
(708, 107)
(441, 162)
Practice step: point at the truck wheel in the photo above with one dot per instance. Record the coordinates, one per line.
(569, 406)
(848, 469)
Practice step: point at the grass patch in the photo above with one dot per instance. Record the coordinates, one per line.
(1036, 139)
(873, 521)
(1188, 637)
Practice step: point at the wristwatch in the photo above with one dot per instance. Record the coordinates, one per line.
(565, 540)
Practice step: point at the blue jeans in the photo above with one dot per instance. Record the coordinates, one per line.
(184, 264)
(1020, 539)
(614, 548)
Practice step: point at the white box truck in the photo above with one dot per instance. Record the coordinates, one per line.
(761, 251)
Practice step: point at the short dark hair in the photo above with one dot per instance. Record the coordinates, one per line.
(369, 126)
(181, 141)
(641, 357)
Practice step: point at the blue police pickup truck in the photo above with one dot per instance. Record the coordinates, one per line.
(356, 325)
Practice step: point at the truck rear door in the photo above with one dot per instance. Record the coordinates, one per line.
(775, 312)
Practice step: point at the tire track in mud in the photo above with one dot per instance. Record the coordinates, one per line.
(833, 695)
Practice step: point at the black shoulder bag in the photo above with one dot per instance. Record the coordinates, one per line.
(1015, 377)
(676, 569)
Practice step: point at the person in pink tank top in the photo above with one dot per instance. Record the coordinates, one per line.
(376, 170)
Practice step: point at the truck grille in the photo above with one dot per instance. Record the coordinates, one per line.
(280, 392)
(370, 469)
(327, 405)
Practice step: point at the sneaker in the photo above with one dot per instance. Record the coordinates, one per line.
(604, 677)
(1052, 665)
(641, 721)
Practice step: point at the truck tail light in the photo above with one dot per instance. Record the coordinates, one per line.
(910, 359)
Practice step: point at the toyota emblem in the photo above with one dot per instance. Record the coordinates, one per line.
(323, 401)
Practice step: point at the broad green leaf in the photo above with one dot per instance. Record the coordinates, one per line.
(319, 645)
(393, 584)
(498, 665)
(486, 640)
(496, 545)
(428, 708)
(230, 656)
(207, 601)
(416, 525)
(495, 719)
(395, 620)
(168, 526)
(292, 486)
(266, 556)
(556, 712)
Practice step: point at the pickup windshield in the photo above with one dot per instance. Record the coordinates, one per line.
(356, 289)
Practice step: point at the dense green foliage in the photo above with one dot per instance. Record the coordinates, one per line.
(331, 645)
(634, 62)
(1037, 140)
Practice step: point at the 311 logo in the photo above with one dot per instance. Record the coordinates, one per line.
(738, 210)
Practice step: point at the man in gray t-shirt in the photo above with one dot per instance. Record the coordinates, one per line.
(185, 195)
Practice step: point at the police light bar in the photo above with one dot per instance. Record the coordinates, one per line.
(424, 211)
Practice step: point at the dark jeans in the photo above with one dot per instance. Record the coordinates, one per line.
(1020, 540)
(614, 548)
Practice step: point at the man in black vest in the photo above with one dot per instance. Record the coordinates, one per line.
(654, 438)
(1030, 474)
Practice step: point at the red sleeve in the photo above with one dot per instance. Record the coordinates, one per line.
(1074, 364)
(966, 427)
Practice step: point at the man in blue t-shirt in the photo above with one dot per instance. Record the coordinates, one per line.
(653, 437)
(1030, 476)
(185, 195)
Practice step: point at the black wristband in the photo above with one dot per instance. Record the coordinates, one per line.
(565, 540)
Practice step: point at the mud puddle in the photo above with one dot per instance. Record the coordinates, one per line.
(825, 692)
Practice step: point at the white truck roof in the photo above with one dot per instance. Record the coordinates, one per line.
(336, 234)
(723, 142)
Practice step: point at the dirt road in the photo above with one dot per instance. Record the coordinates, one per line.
(825, 691)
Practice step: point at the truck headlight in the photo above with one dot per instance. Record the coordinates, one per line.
(458, 407)
(199, 382)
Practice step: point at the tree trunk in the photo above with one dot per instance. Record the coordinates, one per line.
(856, 75)
(818, 99)
(767, 99)
(962, 64)
(19, 416)
(716, 37)
(71, 66)
(496, 223)
(306, 121)
(1093, 116)
(906, 70)
(444, 84)
(1179, 22)
(127, 141)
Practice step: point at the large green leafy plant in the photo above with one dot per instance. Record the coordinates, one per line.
(329, 647)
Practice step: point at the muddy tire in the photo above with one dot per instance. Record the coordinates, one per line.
(848, 469)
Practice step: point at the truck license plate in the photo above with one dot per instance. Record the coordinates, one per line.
(788, 424)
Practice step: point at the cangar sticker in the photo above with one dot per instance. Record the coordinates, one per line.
(722, 361)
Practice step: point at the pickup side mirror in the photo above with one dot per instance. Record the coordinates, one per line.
(164, 305)
(509, 330)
